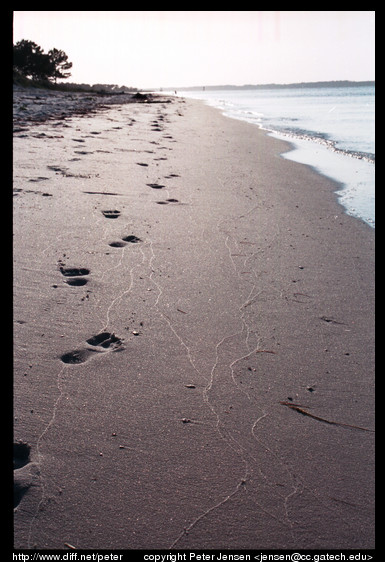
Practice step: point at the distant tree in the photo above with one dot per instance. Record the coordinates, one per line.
(28, 57)
(30, 60)
(60, 63)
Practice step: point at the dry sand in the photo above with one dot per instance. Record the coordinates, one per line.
(207, 383)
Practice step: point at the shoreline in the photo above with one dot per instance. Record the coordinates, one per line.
(352, 195)
(352, 170)
(179, 289)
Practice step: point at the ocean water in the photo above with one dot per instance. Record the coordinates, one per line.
(330, 128)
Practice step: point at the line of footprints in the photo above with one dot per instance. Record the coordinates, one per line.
(77, 277)
(25, 471)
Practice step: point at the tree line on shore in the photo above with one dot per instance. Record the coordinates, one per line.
(33, 67)
(30, 61)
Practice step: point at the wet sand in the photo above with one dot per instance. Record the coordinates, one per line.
(193, 339)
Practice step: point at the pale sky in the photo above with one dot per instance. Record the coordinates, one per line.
(193, 48)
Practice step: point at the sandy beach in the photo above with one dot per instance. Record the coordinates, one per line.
(193, 335)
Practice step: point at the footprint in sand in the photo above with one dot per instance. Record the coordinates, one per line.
(77, 282)
(111, 214)
(105, 341)
(21, 452)
(25, 473)
(123, 242)
(132, 239)
(167, 201)
(75, 275)
(39, 178)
